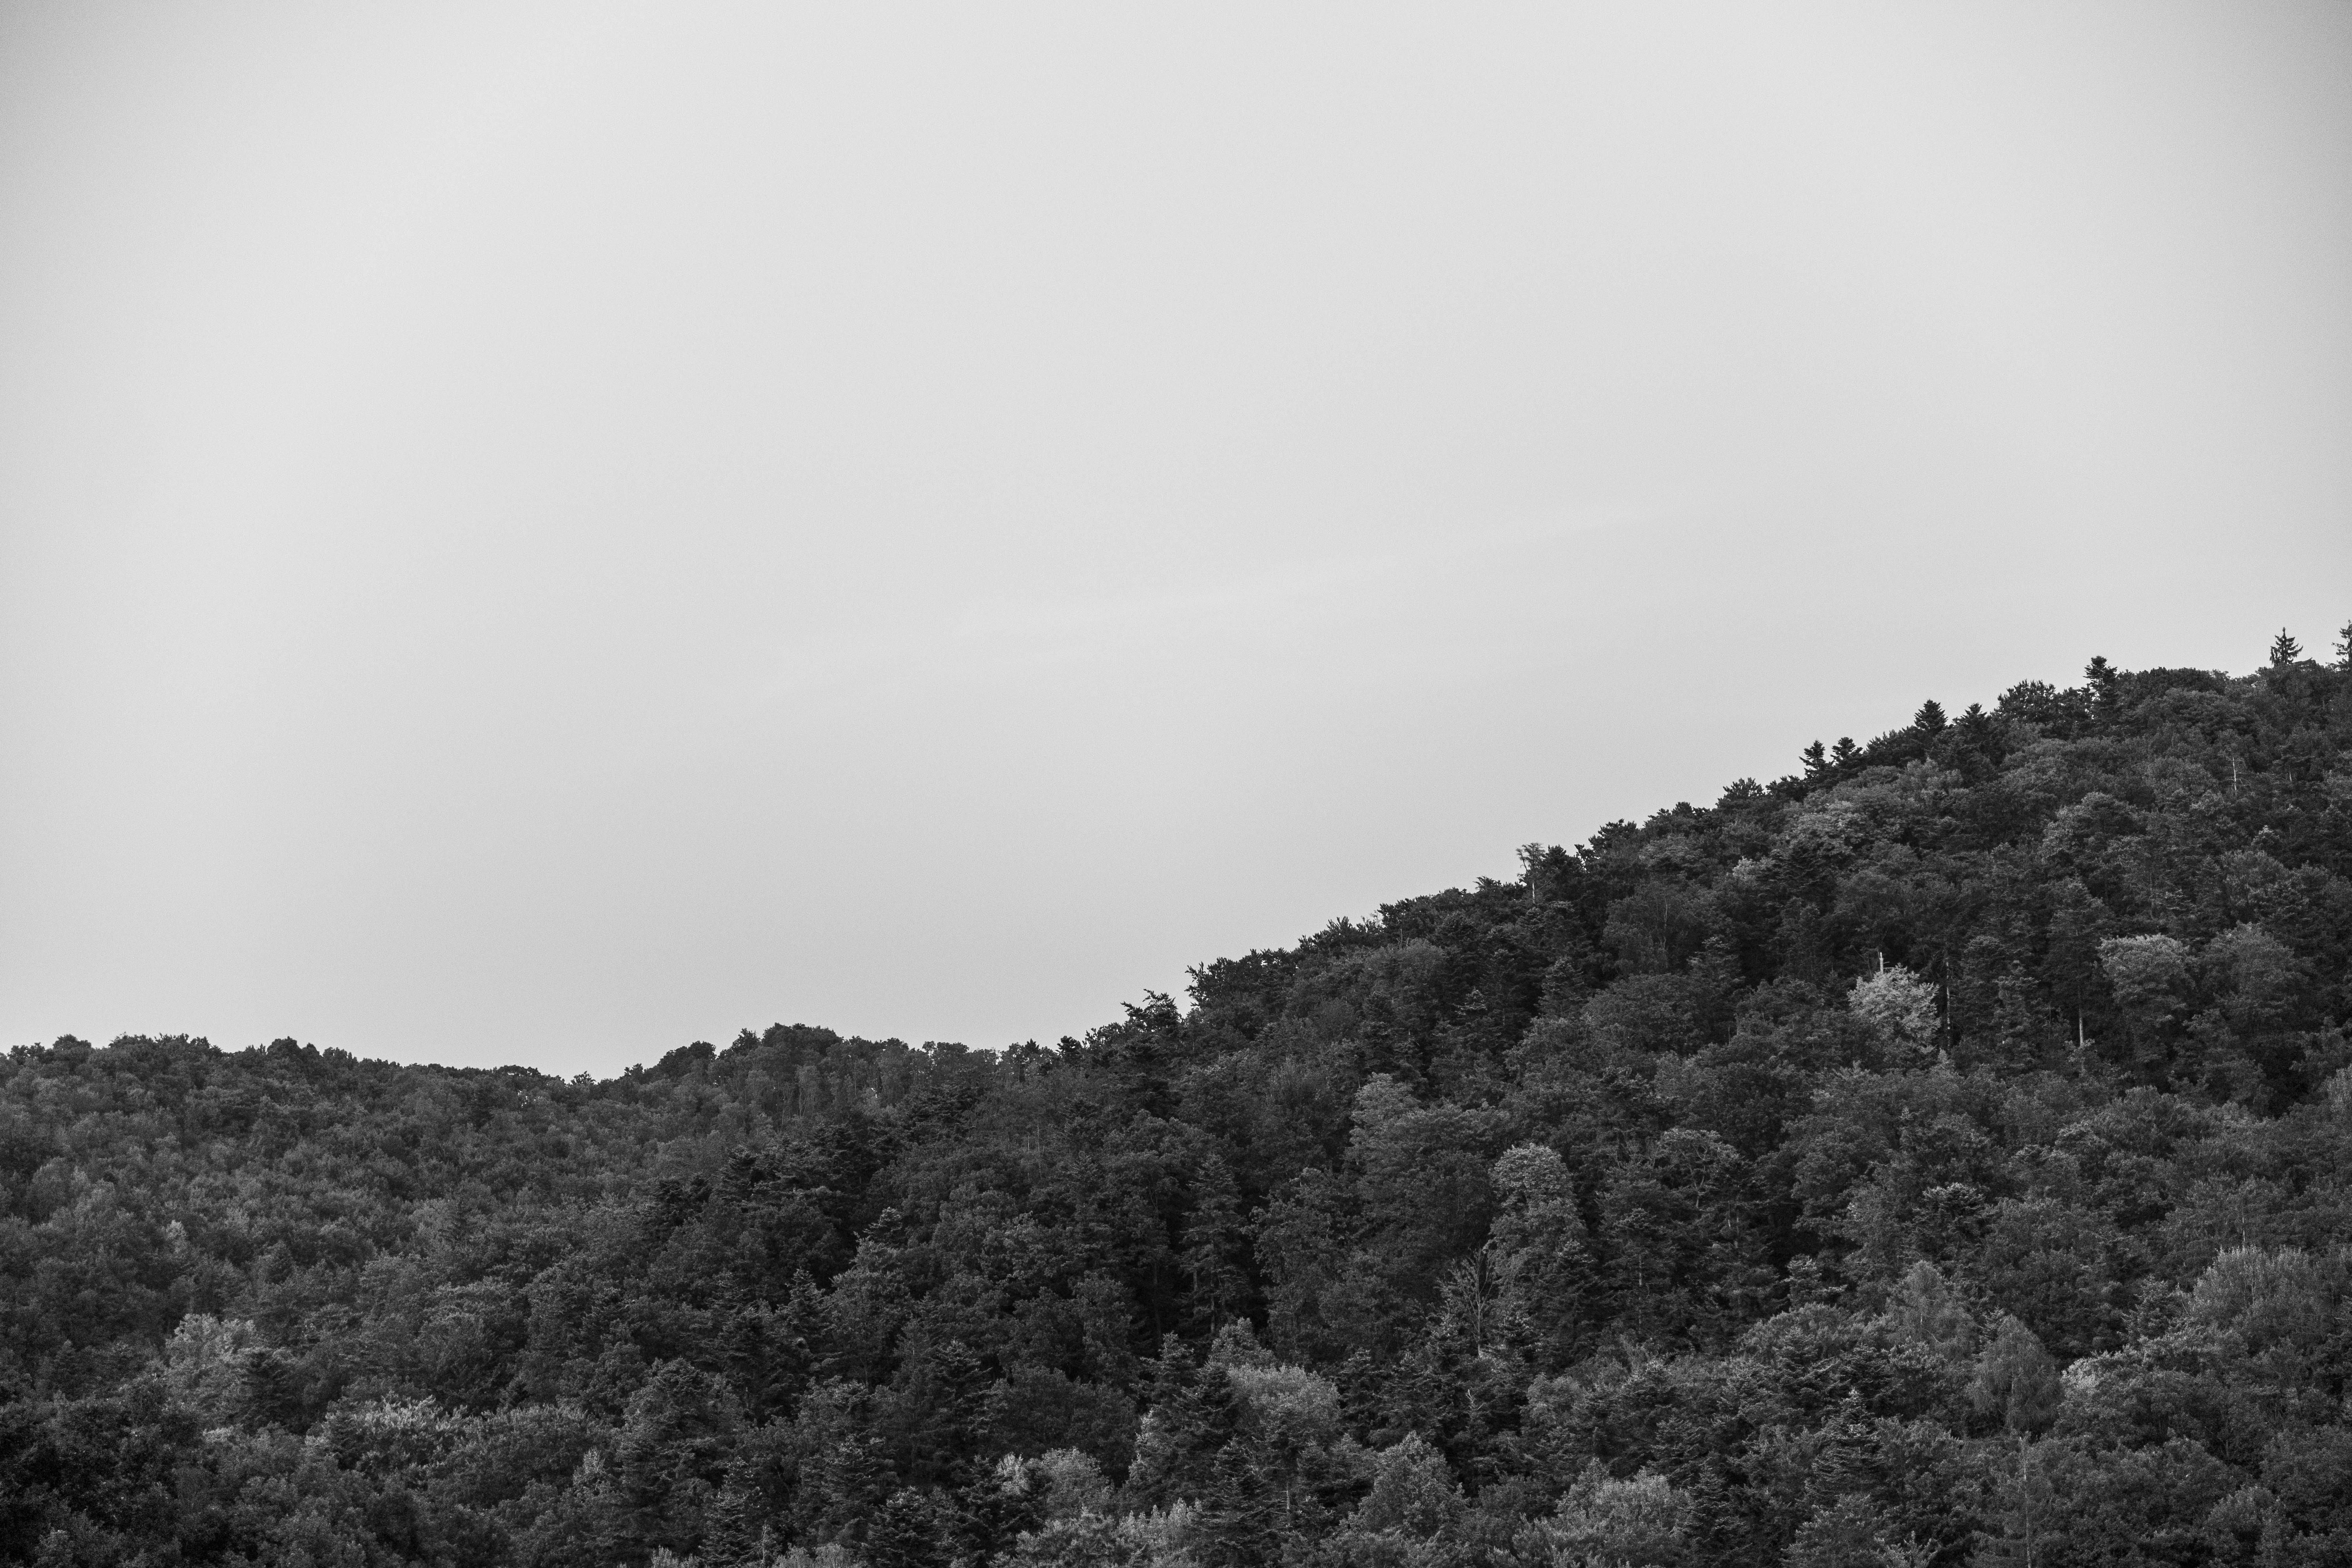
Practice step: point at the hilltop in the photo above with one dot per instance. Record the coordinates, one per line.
(1937, 1155)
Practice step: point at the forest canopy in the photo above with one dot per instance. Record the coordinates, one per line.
(1936, 1156)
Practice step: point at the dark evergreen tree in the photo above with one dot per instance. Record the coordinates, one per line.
(1216, 1241)
(2105, 682)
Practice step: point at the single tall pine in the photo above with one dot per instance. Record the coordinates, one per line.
(1216, 1239)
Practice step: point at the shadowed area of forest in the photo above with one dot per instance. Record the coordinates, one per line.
(1936, 1156)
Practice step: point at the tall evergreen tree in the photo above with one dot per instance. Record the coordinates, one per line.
(1216, 1239)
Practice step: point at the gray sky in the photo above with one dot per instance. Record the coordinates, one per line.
(543, 535)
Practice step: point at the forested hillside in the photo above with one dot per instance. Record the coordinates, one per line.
(1941, 1155)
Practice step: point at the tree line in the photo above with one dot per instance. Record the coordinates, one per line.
(1936, 1156)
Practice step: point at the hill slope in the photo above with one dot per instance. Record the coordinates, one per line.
(1936, 1156)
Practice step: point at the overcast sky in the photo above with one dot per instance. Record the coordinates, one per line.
(540, 535)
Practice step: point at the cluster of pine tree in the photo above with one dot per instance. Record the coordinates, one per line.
(1942, 1155)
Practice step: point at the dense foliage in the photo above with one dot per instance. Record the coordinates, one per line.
(1940, 1156)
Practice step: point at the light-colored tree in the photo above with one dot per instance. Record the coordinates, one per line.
(1899, 1006)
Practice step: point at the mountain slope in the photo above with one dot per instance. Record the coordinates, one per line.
(1937, 1155)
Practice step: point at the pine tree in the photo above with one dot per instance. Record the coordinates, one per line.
(1214, 1238)
(1541, 1238)
(1242, 1508)
(2105, 681)
(1815, 759)
(2285, 649)
(1187, 1416)
(730, 1534)
(907, 1532)
(1929, 721)
(842, 1486)
(2344, 647)
(990, 1513)
(1979, 742)
(797, 1341)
